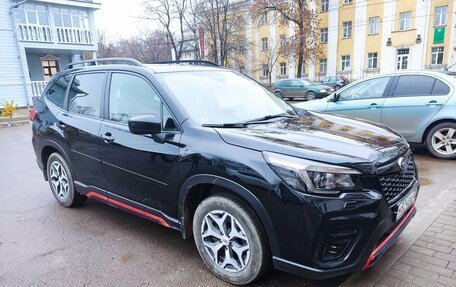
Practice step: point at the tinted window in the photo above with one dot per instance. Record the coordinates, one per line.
(365, 90)
(56, 93)
(409, 86)
(440, 88)
(84, 96)
(131, 96)
(286, 83)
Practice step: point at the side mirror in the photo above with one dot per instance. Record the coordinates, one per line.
(147, 124)
(334, 98)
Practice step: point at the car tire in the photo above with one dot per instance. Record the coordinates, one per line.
(61, 182)
(441, 140)
(336, 87)
(310, 96)
(213, 224)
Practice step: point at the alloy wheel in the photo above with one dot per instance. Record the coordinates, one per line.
(59, 180)
(444, 141)
(225, 241)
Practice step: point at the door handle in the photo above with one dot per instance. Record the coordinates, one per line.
(433, 103)
(107, 137)
(374, 106)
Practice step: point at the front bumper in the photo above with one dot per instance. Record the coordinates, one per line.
(379, 250)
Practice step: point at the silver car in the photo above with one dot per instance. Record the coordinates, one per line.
(421, 106)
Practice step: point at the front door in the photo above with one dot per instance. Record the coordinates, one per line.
(415, 100)
(137, 167)
(363, 100)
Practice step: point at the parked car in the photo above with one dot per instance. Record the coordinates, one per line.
(336, 82)
(300, 88)
(421, 106)
(252, 180)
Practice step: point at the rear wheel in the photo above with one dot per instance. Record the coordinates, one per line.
(61, 182)
(441, 141)
(310, 96)
(230, 239)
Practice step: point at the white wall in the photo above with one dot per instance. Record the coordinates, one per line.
(333, 34)
(388, 55)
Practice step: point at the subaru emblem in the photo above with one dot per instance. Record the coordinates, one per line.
(402, 163)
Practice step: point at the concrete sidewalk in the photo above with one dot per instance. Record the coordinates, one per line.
(431, 260)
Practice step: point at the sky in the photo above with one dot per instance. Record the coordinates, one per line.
(118, 19)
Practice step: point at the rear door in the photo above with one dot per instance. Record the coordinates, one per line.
(137, 167)
(286, 88)
(413, 102)
(81, 124)
(362, 100)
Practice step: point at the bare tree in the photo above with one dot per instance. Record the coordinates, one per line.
(152, 47)
(304, 43)
(270, 56)
(169, 13)
(221, 20)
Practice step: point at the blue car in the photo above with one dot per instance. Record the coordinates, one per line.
(421, 106)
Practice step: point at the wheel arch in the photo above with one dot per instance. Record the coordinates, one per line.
(433, 124)
(49, 147)
(198, 187)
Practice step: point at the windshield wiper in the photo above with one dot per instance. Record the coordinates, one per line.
(226, 125)
(269, 117)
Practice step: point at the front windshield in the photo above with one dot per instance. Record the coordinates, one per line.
(219, 97)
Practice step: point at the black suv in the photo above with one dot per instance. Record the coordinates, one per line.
(211, 153)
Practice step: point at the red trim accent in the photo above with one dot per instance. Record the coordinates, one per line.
(387, 239)
(128, 207)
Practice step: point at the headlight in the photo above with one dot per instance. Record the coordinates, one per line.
(322, 91)
(311, 176)
(331, 90)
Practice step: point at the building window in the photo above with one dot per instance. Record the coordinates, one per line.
(323, 66)
(402, 59)
(50, 68)
(283, 40)
(31, 14)
(372, 60)
(283, 69)
(440, 17)
(437, 55)
(347, 29)
(70, 18)
(347, 1)
(264, 43)
(324, 5)
(324, 35)
(345, 63)
(374, 24)
(263, 19)
(265, 70)
(405, 21)
(241, 47)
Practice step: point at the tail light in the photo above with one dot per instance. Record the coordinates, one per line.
(272, 88)
(32, 114)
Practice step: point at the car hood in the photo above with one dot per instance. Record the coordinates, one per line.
(320, 137)
(320, 87)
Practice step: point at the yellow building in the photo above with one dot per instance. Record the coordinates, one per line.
(359, 38)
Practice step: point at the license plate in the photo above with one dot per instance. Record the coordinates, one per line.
(405, 204)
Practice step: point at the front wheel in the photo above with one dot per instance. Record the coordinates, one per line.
(336, 87)
(441, 141)
(230, 239)
(61, 182)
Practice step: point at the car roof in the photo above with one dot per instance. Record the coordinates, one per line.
(435, 73)
(168, 68)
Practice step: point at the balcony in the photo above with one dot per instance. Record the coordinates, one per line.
(38, 87)
(60, 35)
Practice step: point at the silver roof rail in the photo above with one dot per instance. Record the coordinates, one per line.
(96, 62)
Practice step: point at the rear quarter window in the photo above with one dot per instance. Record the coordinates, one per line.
(56, 93)
(440, 88)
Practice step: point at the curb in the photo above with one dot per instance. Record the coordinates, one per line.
(14, 123)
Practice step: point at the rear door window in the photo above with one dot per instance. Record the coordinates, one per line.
(285, 83)
(414, 85)
(56, 93)
(86, 93)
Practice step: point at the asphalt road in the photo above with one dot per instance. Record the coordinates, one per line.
(42, 243)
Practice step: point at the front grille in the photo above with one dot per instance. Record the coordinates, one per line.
(396, 184)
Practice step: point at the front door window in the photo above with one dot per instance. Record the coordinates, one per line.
(50, 68)
(402, 59)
